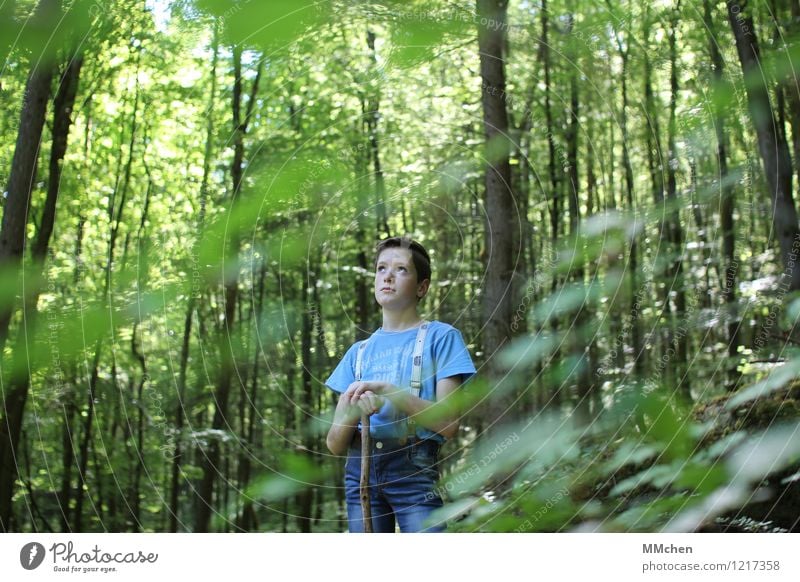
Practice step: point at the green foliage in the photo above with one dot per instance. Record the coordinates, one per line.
(661, 472)
(272, 26)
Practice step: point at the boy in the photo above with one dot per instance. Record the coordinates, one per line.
(395, 376)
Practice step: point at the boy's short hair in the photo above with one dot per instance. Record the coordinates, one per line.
(422, 261)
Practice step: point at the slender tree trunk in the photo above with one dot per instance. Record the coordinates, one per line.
(610, 198)
(552, 168)
(581, 337)
(321, 362)
(115, 213)
(135, 498)
(655, 153)
(616, 325)
(772, 144)
(572, 152)
(591, 196)
(500, 204)
(361, 291)
(247, 518)
(83, 450)
(372, 119)
(552, 163)
(793, 91)
(633, 263)
(701, 223)
(656, 162)
(62, 121)
(211, 461)
(727, 199)
(70, 407)
(195, 297)
(523, 191)
(681, 337)
(305, 497)
(67, 457)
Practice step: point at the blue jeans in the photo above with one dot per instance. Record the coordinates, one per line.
(402, 487)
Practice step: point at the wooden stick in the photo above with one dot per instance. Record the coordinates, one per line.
(366, 458)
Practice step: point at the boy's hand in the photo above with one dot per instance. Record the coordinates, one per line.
(382, 390)
(379, 388)
(359, 399)
(370, 403)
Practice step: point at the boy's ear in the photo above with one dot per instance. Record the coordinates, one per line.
(422, 288)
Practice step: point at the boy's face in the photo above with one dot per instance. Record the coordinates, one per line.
(396, 285)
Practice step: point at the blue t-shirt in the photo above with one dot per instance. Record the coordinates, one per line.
(387, 358)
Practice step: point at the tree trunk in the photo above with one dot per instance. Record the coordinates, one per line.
(581, 336)
(247, 517)
(134, 501)
(657, 159)
(305, 497)
(633, 262)
(373, 118)
(12, 243)
(793, 91)
(361, 291)
(83, 451)
(23, 176)
(591, 196)
(655, 153)
(67, 457)
(195, 297)
(69, 405)
(681, 337)
(552, 168)
(772, 144)
(62, 121)
(497, 308)
(210, 464)
(552, 164)
(727, 200)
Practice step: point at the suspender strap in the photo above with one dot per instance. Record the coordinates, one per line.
(416, 373)
(359, 358)
(416, 364)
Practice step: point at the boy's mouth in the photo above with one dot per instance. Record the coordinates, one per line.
(389, 289)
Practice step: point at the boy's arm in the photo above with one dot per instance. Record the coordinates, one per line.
(346, 416)
(345, 420)
(441, 416)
